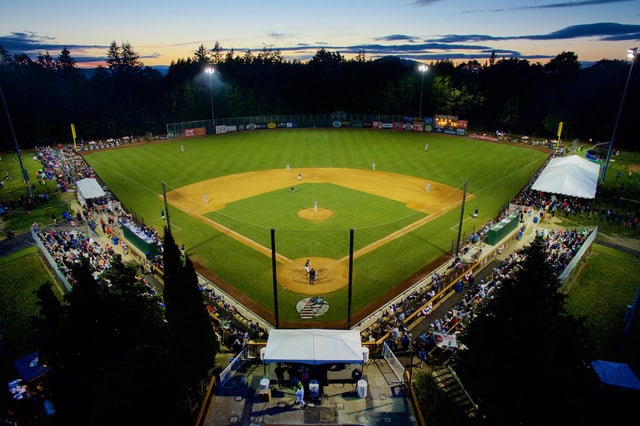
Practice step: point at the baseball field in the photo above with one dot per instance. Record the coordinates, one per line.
(399, 194)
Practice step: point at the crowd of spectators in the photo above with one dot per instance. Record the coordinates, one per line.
(69, 247)
(63, 166)
(560, 247)
(77, 237)
(394, 321)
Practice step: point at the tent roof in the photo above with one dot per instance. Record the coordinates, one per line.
(572, 175)
(314, 346)
(616, 374)
(89, 188)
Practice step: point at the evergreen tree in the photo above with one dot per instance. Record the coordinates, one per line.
(526, 355)
(191, 327)
(108, 353)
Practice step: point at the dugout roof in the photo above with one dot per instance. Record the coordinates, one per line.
(314, 346)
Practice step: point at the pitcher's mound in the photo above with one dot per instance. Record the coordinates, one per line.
(332, 275)
(316, 215)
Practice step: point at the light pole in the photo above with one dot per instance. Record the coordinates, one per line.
(423, 69)
(210, 71)
(25, 174)
(632, 53)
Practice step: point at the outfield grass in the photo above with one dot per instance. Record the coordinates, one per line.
(494, 172)
(601, 291)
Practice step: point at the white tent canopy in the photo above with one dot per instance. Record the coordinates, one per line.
(572, 175)
(314, 346)
(89, 188)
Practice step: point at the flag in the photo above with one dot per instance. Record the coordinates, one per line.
(73, 134)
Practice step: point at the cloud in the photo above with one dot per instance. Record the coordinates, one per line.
(277, 35)
(604, 30)
(425, 2)
(31, 42)
(459, 47)
(559, 5)
(396, 37)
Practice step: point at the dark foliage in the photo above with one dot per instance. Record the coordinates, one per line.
(527, 357)
(191, 328)
(108, 353)
(126, 98)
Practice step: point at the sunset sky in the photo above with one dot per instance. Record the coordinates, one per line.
(162, 31)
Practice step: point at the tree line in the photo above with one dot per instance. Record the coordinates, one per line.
(127, 98)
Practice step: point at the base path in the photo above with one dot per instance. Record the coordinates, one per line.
(418, 194)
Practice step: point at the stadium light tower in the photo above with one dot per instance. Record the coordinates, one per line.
(210, 71)
(423, 69)
(631, 53)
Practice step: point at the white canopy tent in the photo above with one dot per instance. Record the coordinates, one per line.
(314, 346)
(89, 188)
(572, 175)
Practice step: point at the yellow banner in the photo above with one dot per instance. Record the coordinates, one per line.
(73, 134)
(559, 130)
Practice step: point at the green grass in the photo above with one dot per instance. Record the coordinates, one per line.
(494, 172)
(255, 216)
(20, 216)
(605, 285)
(22, 274)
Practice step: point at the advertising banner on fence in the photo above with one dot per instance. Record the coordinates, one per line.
(198, 131)
(428, 124)
(462, 127)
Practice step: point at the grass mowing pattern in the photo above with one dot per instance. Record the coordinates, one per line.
(369, 214)
(494, 172)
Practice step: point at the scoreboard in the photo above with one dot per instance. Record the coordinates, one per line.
(450, 124)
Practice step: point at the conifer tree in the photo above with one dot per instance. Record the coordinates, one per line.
(526, 355)
(191, 327)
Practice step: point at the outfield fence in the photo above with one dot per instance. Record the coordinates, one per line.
(283, 121)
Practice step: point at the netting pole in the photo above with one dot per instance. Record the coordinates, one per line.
(275, 278)
(350, 278)
(464, 196)
(166, 207)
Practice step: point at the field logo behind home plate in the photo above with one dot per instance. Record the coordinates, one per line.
(312, 307)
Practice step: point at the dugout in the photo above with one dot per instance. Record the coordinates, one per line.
(501, 229)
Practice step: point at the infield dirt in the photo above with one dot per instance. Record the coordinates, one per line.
(419, 194)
